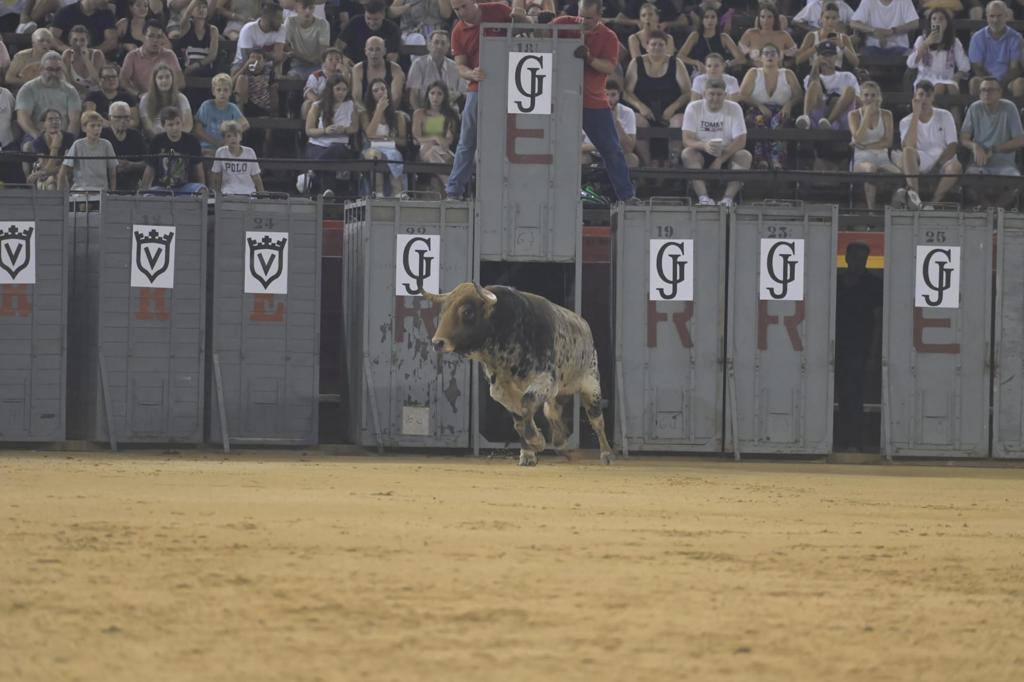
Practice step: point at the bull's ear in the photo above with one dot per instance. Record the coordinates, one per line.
(435, 298)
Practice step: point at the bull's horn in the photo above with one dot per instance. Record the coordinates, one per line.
(488, 296)
(434, 298)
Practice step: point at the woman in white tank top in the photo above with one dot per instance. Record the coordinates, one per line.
(769, 94)
(871, 132)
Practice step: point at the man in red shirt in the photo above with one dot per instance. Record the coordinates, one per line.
(466, 48)
(600, 53)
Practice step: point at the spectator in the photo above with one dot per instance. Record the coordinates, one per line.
(832, 30)
(199, 43)
(714, 67)
(7, 121)
(431, 67)
(386, 130)
(466, 49)
(886, 24)
(131, 30)
(871, 132)
(992, 132)
(95, 17)
(90, 159)
(27, 63)
(174, 12)
(331, 66)
(829, 93)
(434, 128)
(5, 59)
(128, 145)
(418, 19)
(47, 92)
(373, 68)
(50, 146)
(939, 55)
(715, 134)
(235, 169)
(811, 17)
(625, 127)
(658, 87)
(770, 94)
(238, 13)
(265, 36)
(368, 25)
(138, 66)
(675, 18)
(175, 159)
(709, 40)
(929, 146)
(306, 37)
(81, 63)
(163, 93)
(100, 99)
(255, 92)
(23, 16)
(766, 32)
(995, 50)
(331, 125)
(650, 21)
(213, 113)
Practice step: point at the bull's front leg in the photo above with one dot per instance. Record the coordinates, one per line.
(532, 439)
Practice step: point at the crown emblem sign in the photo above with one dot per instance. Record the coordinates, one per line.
(153, 253)
(266, 258)
(15, 249)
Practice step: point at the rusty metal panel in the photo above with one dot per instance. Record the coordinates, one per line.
(402, 393)
(781, 330)
(670, 274)
(937, 333)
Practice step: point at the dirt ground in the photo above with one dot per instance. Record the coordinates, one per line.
(291, 567)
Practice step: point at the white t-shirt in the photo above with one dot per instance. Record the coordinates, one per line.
(935, 135)
(252, 37)
(727, 123)
(6, 117)
(876, 15)
(236, 171)
(732, 86)
(811, 14)
(836, 83)
(627, 119)
(939, 66)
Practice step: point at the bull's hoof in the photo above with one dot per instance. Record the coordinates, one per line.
(607, 457)
(527, 460)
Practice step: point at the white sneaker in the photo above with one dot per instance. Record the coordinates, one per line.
(913, 199)
(26, 27)
(825, 124)
(803, 122)
(705, 200)
(899, 198)
(726, 201)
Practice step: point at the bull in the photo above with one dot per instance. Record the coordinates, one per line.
(532, 352)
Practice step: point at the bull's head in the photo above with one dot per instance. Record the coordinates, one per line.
(464, 323)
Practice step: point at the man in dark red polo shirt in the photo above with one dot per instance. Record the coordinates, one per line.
(600, 53)
(466, 48)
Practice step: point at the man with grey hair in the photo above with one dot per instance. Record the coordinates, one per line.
(434, 66)
(995, 50)
(129, 147)
(49, 90)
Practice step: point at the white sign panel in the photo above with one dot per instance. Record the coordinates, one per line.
(266, 262)
(782, 270)
(418, 264)
(670, 275)
(17, 252)
(529, 82)
(937, 278)
(153, 251)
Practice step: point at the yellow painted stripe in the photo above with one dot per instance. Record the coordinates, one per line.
(874, 262)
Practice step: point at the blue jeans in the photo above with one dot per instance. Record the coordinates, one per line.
(599, 126)
(462, 166)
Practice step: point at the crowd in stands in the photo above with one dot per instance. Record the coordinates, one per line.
(134, 94)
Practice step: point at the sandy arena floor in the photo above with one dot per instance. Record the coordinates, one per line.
(261, 567)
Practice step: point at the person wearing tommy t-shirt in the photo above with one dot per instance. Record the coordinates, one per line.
(466, 49)
(600, 53)
(714, 134)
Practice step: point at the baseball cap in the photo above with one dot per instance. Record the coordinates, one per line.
(827, 47)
